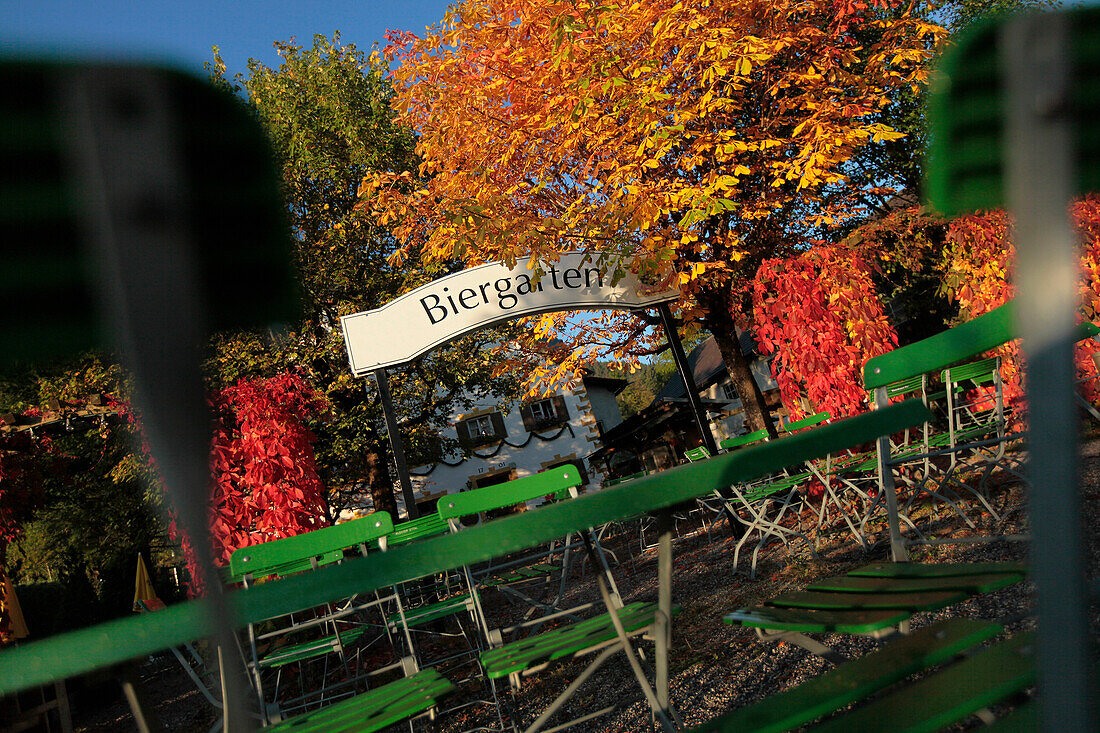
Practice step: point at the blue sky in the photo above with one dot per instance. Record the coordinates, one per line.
(182, 31)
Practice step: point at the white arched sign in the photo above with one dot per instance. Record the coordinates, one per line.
(445, 309)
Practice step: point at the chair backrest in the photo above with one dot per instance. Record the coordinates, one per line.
(980, 371)
(295, 553)
(745, 439)
(910, 385)
(697, 454)
(475, 501)
(623, 479)
(420, 528)
(807, 422)
(957, 344)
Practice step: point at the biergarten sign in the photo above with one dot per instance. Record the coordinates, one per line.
(441, 311)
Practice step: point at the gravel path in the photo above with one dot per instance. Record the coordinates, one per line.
(714, 667)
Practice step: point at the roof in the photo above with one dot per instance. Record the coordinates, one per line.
(615, 385)
(707, 366)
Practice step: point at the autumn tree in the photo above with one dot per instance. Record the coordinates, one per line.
(327, 110)
(694, 139)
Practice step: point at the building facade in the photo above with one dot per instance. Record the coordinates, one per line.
(501, 443)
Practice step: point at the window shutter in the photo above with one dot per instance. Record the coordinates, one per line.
(561, 413)
(528, 418)
(463, 429)
(499, 431)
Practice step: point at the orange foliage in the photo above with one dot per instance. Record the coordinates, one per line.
(703, 137)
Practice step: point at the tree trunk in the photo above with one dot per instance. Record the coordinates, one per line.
(380, 483)
(757, 414)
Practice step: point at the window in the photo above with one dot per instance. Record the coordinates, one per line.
(481, 429)
(543, 410)
(729, 391)
(544, 413)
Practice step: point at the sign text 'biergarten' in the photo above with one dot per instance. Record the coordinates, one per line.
(443, 310)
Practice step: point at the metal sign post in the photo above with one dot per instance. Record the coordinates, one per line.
(396, 444)
(684, 368)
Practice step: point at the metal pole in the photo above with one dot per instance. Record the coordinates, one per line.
(396, 445)
(1039, 180)
(689, 381)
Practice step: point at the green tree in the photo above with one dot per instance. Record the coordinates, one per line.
(327, 110)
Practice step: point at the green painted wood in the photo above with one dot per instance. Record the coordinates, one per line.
(290, 568)
(950, 695)
(807, 422)
(263, 558)
(904, 386)
(564, 641)
(811, 620)
(746, 439)
(420, 615)
(967, 113)
(235, 211)
(282, 656)
(855, 680)
(971, 584)
(374, 709)
(420, 528)
(938, 352)
(927, 601)
(697, 454)
(67, 655)
(936, 570)
(977, 370)
(944, 349)
(469, 503)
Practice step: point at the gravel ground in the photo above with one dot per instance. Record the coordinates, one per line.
(714, 667)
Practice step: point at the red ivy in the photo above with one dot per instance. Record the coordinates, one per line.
(265, 481)
(819, 312)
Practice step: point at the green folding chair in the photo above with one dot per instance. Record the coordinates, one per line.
(321, 642)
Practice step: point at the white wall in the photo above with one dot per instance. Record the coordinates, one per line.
(575, 441)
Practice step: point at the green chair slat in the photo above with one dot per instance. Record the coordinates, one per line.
(740, 440)
(855, 680)
(904, 386)
(806, 422)
(928, 601)
(309, 649)
(563, 641)
(374, 709)
(974, 370)
(967, 583)
(290, 568)
(811, 620)
(420, 615)
(469, 503)
(261, 558)
(420, 528)
(35, 663)
(949, 695)
(538, 570)
(936, 570)
(938, 352)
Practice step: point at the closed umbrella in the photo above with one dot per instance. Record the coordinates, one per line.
(145, 596)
